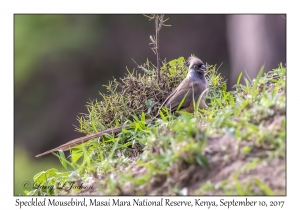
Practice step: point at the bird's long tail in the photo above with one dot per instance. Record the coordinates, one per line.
(83, 139)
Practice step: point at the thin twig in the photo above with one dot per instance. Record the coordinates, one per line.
(159, 22)
(158, 27)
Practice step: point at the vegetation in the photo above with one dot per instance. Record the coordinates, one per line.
(234, 147)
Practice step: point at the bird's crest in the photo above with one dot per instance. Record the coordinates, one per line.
(193, 60)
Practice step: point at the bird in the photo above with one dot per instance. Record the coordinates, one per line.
(183, 98)
(190, 89)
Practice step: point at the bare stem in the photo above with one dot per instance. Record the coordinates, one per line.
(157, 26)
(159, 22)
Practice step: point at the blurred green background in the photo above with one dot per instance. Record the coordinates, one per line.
(62, 61)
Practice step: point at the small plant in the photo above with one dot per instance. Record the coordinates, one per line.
(140, 93)
(159, 22)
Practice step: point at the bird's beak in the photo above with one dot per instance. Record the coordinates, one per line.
(203, 68)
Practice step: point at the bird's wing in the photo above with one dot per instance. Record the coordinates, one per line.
(185, 93)
(182, 85)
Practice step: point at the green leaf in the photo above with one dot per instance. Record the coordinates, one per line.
(239, 78)
(112, 151)
(76, 154)
(231, 99)
(62, 159)
(31, 193)
(238, 186)
(267, 190)
(162, 115)
(94, 127)
(172, 62)
(258, 77)
(182, 100)
(202, 160)
(43, 176)
(246, 149)
(102, 126)
(143, 118)
(223, 87)
(199, 99)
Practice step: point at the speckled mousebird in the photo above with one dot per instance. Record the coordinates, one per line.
(190, 89)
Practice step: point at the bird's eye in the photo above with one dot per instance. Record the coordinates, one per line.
(195, 66)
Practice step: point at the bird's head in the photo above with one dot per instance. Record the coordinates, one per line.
(196, 64)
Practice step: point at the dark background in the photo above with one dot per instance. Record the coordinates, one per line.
(62, 61)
